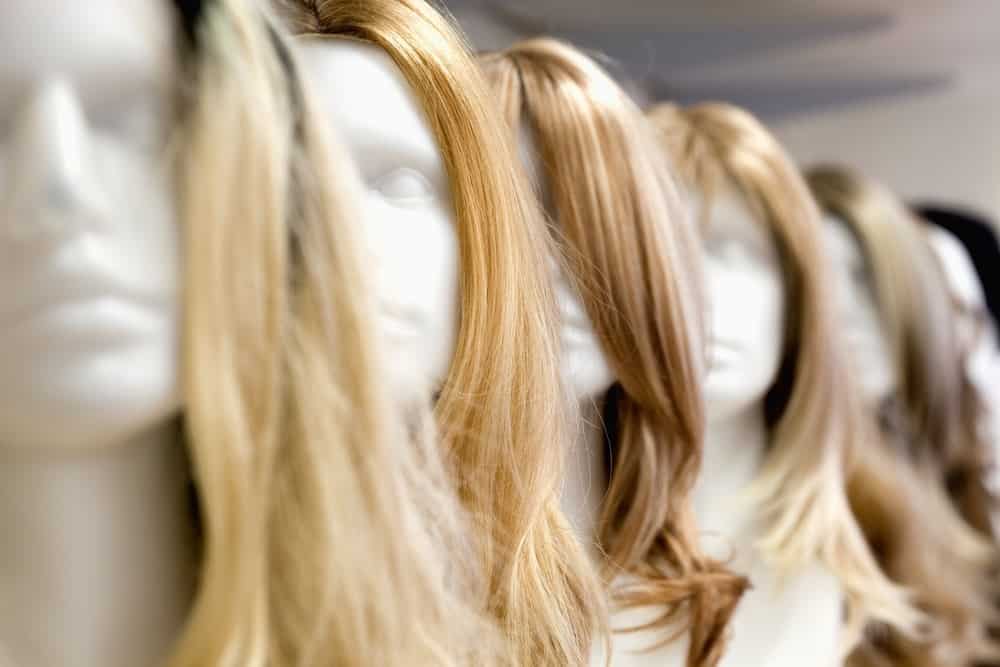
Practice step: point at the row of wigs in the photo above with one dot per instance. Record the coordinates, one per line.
(914, 474)
(932, 427)
(336, 527)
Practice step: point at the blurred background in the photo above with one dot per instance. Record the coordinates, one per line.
(906, 90)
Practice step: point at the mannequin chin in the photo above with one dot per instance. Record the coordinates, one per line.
(746, 285)
(409, 222)
(861, 324)
(89, 258)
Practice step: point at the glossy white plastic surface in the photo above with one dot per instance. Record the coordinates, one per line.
(99, 564)
(409, 222)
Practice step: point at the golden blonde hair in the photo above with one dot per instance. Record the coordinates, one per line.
(633, 257)
(814, 419)
(499, 411)
(934, 396)
(317, 549)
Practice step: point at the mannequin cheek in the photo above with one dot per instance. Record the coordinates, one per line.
(413, 262)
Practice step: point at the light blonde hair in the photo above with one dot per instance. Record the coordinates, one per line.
(814, 419)
(633, 257)
(922, 424)
(499, 411)
(316, 547)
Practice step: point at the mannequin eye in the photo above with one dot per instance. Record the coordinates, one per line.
(404, 185)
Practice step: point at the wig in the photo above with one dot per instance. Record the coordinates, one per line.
(499, 412)
(915, 537)
(814, 421)
(632, 255)
(930, 426)
(316, 549)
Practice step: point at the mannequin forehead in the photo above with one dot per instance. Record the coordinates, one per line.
(369, 100)
(102, 46)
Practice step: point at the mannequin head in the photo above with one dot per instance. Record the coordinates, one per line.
(745, 276)
(867, 340)
(630, 301)
(908, 289)
(936, 405)
(499, 408)
(977, 337)
(407, 215)
(978, 236)
(89, 258)
(585, 367)
(813, 419)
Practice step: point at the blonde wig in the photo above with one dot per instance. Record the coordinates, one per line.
(935, 402)
(632, 254)
(814, 420)
(915, 540)
(499, 412)
(315, 550)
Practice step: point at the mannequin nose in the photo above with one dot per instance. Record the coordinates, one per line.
(47, 176)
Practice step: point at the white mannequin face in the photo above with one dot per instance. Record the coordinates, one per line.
(89, 258)
(584, 366)
(860, 321)
(409, 221)
(747, 301)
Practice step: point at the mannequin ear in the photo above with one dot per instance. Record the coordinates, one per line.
(190, 12)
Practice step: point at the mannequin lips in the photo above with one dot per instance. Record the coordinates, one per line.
(55, 290)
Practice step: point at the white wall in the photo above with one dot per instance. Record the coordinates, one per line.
(944, 146)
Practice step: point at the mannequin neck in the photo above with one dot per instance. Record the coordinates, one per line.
(586, 479)
(105, 554)
(734, 449)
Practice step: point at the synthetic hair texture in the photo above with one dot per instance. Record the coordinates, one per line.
(317, 547)
(815, 422)
(500, 410)
(632, 254)
(936, 404)
(912, 530)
